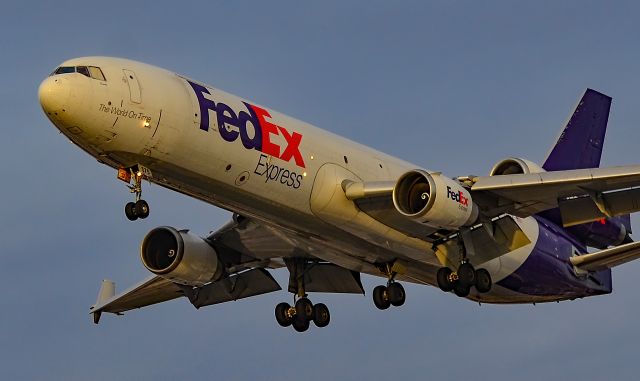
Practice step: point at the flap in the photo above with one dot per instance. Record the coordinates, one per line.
(243, 285)
(327, 277)
(608, 258)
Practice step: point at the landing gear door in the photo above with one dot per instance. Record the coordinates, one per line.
(134, 86)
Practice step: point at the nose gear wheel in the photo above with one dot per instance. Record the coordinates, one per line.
(134, 176)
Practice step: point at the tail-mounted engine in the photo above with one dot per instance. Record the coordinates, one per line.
(180, 256)
(603, 233)
(434, 200)
(515, 166)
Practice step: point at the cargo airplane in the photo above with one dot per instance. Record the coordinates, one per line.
(328, 209)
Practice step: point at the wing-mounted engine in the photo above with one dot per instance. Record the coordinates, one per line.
(180, 256)
(515, 166)
(434, 200)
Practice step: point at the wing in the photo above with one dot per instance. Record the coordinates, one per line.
(157, 289)
(152, 290)
(583, 195)
(247, 249)
(608, 258)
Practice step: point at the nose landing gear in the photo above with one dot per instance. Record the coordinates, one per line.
(135, 175)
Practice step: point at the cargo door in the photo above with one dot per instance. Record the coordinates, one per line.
(134, 86)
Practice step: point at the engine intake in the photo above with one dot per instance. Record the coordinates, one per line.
(180, 256)
(515, 166)
(434, 199)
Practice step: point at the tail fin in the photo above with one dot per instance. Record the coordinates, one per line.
(580, 143)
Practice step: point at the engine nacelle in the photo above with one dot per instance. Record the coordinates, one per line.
(515, 166)
(602, 234)
(180, 256)
(434, 200)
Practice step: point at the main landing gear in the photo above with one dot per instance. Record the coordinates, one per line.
(460, 282)
(392, 294)
(139, 208)
(303, 312)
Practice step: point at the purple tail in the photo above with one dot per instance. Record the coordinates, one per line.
(580, 143)
(580, 146)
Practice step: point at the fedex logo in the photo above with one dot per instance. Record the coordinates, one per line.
(232, 125)
(457, 196)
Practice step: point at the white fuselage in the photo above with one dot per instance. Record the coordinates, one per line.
(290, 177)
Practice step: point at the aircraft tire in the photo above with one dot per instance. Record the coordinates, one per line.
(304, 308)
(321, 315)
(443, 279)
(466, 274)
(130, 211)
(300, 323)
(281, 314)
(142, 209)
(380, 298)
(483, 281)
(397, 295)
(461, 290)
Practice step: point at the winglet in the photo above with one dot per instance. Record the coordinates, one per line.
(107, 291)
(580, 143)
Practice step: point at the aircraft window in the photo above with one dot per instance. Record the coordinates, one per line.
(96, 73)
(65, 69)
(83, 70)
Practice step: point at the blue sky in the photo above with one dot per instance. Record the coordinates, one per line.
(452, 85)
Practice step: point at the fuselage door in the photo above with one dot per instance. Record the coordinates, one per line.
(134, 86)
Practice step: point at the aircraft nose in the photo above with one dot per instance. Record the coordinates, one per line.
(53, 94)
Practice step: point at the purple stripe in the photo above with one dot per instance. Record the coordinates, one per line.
(548, 272)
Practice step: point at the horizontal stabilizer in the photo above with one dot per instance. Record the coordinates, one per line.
(608, 258)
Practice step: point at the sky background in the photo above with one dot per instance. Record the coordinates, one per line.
(450, 85)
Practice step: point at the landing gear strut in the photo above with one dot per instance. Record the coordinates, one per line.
(392, 294)
(303, 312)
(139, 208)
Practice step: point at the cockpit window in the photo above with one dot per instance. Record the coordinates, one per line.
(96, 73)
(65, 69)
(83, 70)
(88, 71)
